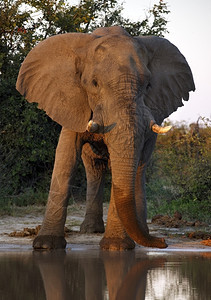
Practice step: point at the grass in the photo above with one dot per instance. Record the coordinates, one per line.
(34, 202)
(190, 210)
(11, 204)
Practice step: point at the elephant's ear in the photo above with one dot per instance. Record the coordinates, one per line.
(171, 77)
(50, 76)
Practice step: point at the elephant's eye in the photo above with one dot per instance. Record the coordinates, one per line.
(148, 86)
(94, 82)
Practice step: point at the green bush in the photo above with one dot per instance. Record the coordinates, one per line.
(181, 172)
(28, 144)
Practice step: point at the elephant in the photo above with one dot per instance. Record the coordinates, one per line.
(110, 92)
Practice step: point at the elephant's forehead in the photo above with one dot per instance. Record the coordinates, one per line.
(113, 43)
(115, 47)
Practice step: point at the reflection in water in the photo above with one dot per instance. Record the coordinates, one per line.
(169, 281)
(93, 274)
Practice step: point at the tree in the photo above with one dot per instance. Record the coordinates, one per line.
(155, 22)
(24, 149)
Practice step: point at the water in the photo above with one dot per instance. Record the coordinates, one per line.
(88, 273)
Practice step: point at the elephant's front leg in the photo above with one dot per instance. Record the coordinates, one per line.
(95, 172)
(51, 235)
(140, 189)
(140, 197)
(115, 237)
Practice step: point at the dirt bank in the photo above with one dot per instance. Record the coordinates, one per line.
(21, 228)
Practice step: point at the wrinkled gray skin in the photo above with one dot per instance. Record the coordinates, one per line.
(123, 84)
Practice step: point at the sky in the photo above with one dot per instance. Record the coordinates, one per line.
(189, 26)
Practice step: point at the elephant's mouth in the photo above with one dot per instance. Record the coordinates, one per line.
(94, 127)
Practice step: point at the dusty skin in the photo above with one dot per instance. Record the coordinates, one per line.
(18, 231)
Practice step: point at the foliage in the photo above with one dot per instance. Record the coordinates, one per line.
(155, 22)
(180, 171)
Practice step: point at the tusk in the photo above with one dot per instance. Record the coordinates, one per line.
(158, 129)
(92, 126)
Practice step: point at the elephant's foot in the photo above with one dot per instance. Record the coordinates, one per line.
(92, 224)
(117, 243)
(48, 242)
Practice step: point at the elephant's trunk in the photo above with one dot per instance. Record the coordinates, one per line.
(124, 163)
(125, 143)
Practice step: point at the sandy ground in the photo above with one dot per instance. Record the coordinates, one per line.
(31, 217)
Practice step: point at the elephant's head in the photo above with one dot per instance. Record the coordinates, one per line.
(112, 83)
